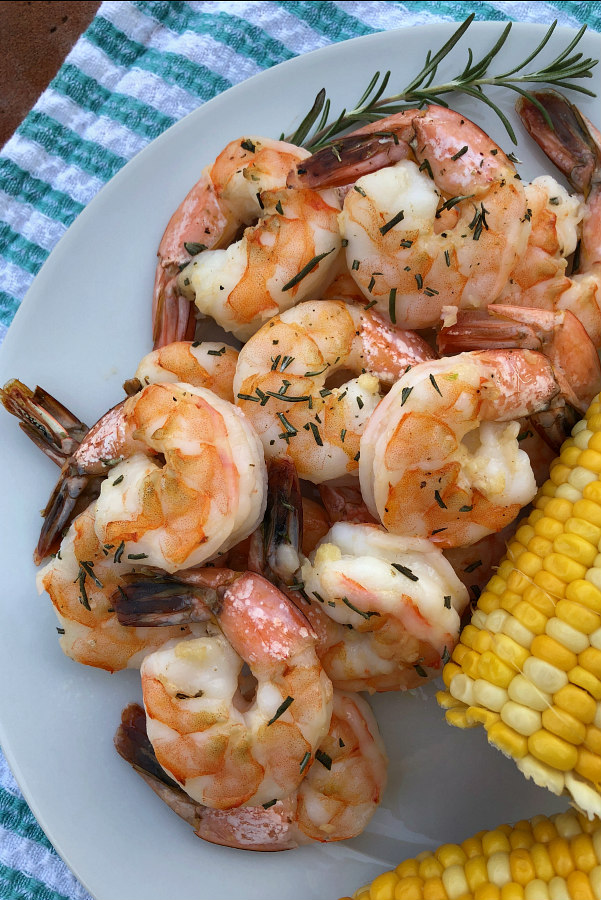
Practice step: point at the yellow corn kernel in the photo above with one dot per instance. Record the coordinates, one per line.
(590, 659)
(585, 529)
(521, 838)
(590, 459)
(497, 585)
(576, 548)
(509, 600)
(545, 676)
(487, 892)
(459, 653)
(588, 765)
(564, 725)
(576, 701)
(524, 534)
(548, 527)
(509, 651)
(446, 701)
(579, 479)
(512, 891)
(584, 679)
(522, 719)
(529, 563)
(577, 616)
(517, 582)
(563, 567)
(585, 593)
(567, 824)
(594, 442)
(560, 856)
(517, 632)
(483, 640)
(476, 872)
(449, 672)
(536, 890)
(458, 718)
(468, 634)
(539, 599)
(507, 740)
(587, 511)
(488, 601)
(540, 858)
(489, 695)
(553, 586)
(559, 509)
(559, 474)
(592, 740)
(530, 617)
(433, 890)
(539, 545)
(583, 852)
(492, 669)
(362, 895)
(407, 869)
(579, 886)
(477, 715)
(541, 774)
(429, 867)
(455, 882)
(522, 869)
(382, 887)
(450, 855)
(570, 453)
(552, 750)
(469, 663)
(550, 651)
(495, 842)
(409, 889)
(523, 691)
(498, 868)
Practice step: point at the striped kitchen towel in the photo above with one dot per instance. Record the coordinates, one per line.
(138, 68)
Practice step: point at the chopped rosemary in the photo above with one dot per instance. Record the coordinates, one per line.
(118, 480)
(320, 372)
(369, 305)
(137, 555)
(359, 190)
(473, 566)
(392, 305)
(426, 167)
(306, 269)
(360, 402)
(445, 656)
(269, 804)
(88, 569)
(405, 571)
(364, 615)
(119, 552)
(447, 601)
(342, 434)
(465, 508)
(420, 671)
(420, 281)
(406, 243)
(247, 144)
(405, 394)
(288, 428)
(394, 221)
(316, 434)
(193, 248)
(439, 500)
(447, 258)
(281, 709)
(460, 152)
(324, 759)
(371, 284)
(305, 761)
(279, 208)
(219, 352)
(435, 385)
(248, 397)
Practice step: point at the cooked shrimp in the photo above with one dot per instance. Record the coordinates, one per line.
(399, 590)
(445, 228)
(440, 456)
(573, 144)
(335, 801)
(288, 257)
(282, 378)
(226, 751)
(81, 580)
(225, 197)
(207, 364)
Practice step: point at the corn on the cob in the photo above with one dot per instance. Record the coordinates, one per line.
(557, 858)
(528, 667)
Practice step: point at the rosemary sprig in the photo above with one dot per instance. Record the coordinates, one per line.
(315, 131)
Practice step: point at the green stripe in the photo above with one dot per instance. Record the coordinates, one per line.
(246, 39)
(17, 886)
(16, 816)
(140, 118)
(585, 13)
(58, 140)
(327, 19)
(18, 250)
(483, 11)
(8, 307)
(27, 189)
(173, 69)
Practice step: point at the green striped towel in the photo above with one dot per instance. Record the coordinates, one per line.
(138, 68)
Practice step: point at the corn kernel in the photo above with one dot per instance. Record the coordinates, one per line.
(567, 636)
(583, 852)
(461, 687)
(588, 765)
(570, 453)
(450, 855)
(544, 675)
(509, 600)
(584, 528)
(473, 846)
(518, 632)
(585, 592)
(407, 869)
(495, 841)
(584, 679)
(497, 585)
(507, 740)
(409, 889)
(591, 459)
(455, 882)
(592, 740)
(477, 715)
(509, 651)
(567, 824)
(489, 695)
(470, 661)
(558, 889)
(496, 619)
(573, 699)
(382, 887)
(488, 601)
(492, 669)
(522, 870)
(468, 634)
(529, 563)
(536, 890)
(429, 867)
(567, 492)
(523, 691)
(522, 719)
(517, 582)
(540, 859)
(449, 672)
(559, 474)
(594, 440)
(595, 639)
(483, 639)
(541, 774)
(459, 654)
(577, 616)
(579, 886)
(548, 527)
(530, 617)
(563, 567)
(588, 511)
(552, 652)
(433, 890)
(576, 548)
(552, 750)
(524, 533)
(487, 892)
(521, 838)
(512, 891)
(560, 856)
(540, 546)
(445, 701)
(590, 659)
(554, 587)
(564, 725)
(476, 872)
(579, 478)
(458, 718)
(498, 868)
(559, 509)
(539, 599)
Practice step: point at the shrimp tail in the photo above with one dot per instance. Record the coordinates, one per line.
(347, 159)
(157, 601)
(172, 314)
(566, 137)
(73, 492)
(283, 522)
(50, 425)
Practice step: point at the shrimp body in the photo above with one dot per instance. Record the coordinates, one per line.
(399, 591)
(209, 494)
(224, 750)
(80, 581)
(440, 456)
(224, 198)
(207, 364)
(288, 257)
(447, 227)
(282, 373)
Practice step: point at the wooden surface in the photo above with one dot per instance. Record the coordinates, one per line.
(35, 38)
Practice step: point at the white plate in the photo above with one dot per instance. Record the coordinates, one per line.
(80, 332)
